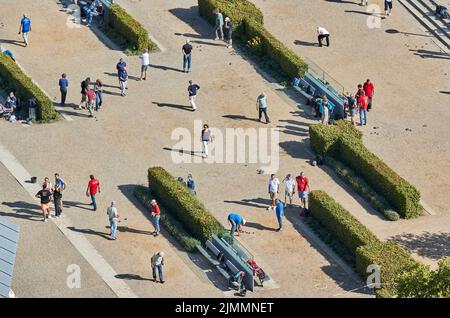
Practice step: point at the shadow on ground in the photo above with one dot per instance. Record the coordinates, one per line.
(430, 245)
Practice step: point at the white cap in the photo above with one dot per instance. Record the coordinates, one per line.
(153, 201)
(161, 254)
(187, 41)
(227, 19)
(243, 221)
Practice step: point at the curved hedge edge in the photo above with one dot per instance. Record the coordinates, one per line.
(131, 30)
(169, 223)
(13, 77)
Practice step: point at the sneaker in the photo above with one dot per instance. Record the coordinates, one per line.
(162, 282)
(45, 220)
(215, 39)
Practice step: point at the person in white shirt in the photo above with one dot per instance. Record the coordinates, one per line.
(323, 34)
(113, 216)
(145, 62)
(157, 262)
(274, 189)
(289, 189)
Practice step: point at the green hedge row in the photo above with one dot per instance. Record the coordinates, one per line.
(345, 145)
(129, 29)
(13, 78)
(339, 221)
(169, 223)
(183, 205)
(392, 260)
(248, 24)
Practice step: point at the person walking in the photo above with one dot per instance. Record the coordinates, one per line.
(145, 62)
(192, 90)
(156, 215)
(369, 90)
(279, 212)
(60, 186)
(229, 32)
(218, 28)
(289, 189)
(63, 85)
(91, 98)
(363, 101)
(302, 189)
(119, 67)
(236, 221)
(113, 217)
(274, 189)
(206, 139)
(98, 89)
(323, 34)
(187, 56)
(92, 189)
(84, 89)
(190, 183)
(261, 107)
(123, 78)
(157, 262)
(25, 28)
(45, 195)
(387, 7)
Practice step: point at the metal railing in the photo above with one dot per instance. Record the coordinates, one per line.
(324, 77)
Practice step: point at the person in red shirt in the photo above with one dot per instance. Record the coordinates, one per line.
(92, 189)
(302, 188)
(369, 90)
(156, 215)
(363, 101)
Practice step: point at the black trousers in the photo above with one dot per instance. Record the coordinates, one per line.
(263, 111)
(63, 96)
(324, 36)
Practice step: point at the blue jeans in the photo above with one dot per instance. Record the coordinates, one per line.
(94, 202)
(363, 115)
(186, 59)
(98, 100)
(233, 227)
(113, 225)
(155, 221)
(280, 221)
(159, 269)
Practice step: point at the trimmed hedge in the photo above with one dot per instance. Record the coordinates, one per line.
(340, 222)
(13, 78)
(184, 206)
(129, 29)
(248, 25)
(392, 260)
(345, 145)
(169, 223)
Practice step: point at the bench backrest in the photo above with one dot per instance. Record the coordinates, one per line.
(232, 268)
(210, 246)
(323, 89)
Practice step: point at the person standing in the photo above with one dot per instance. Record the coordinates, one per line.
(25, 28)
(60, 186)
(84, 89)
(92, 189)
(363, 101)
(261, 107)
(363, 3)
(274, 189)
(192, 90)
(289, 189)
(45, 195)
(157, 262)
(119, 67)
(156, 215)
(187, 56)
(387, 7)
(91, 98)
(98, 88)
(229, 32)
(279, 212)
(369, 90)
(302, 188)
(206, 139)
(113, 216)
(145, 62)
(325, 111)
(218, 28)
(190, 183)
(63, 85)
(323, 34)
(352, 107)
(236, 221)
(123, 78)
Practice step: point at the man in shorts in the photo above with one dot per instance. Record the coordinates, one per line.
(274, 189)
(302, 188)
(289, 189)
(145, 62)
(46, 196)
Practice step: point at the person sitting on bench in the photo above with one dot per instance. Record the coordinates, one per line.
(11, 101)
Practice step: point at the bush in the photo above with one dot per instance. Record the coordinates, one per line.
(183, 205)
(340, 222)
(13, 78)
(248, 25)
(343, 143)
(129, 29)
(169, 223)
(392, 260)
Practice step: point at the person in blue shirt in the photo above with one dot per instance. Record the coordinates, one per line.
(279, 212)
(63, 85)
(191, 184)
(25, 28)
(236, 222)
(7, 52)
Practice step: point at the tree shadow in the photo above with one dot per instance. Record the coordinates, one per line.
(256, 203)
(90, 232)
(297, 149)
(132, 277)
(427, 244)
(183, 107)
(341, 278)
